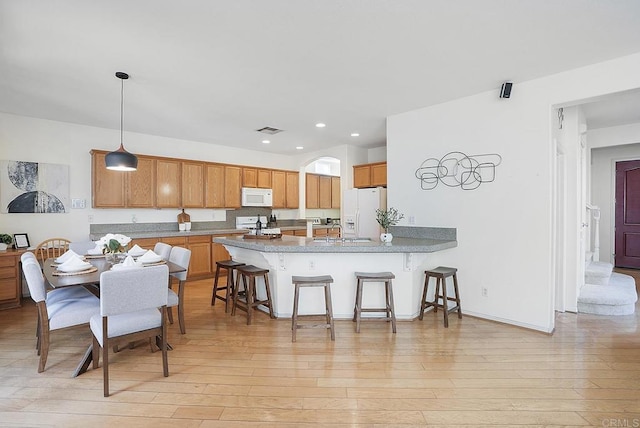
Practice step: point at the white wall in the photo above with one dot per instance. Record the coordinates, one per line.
(505, 227)
(603, 171)
(36, 140)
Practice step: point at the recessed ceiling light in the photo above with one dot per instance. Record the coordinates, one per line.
(265, 141)
(320, 125)
(299, 148)
(355, 134)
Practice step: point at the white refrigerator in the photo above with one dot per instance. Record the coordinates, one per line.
(359, 212)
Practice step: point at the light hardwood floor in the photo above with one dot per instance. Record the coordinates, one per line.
(224, 373)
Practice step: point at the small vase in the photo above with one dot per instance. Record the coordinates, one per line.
(386, 237)
(3, 246)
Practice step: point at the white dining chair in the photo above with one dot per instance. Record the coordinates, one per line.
(133, 306)
(82, 247)
(181, 257)
(56, 310)
(163, 250)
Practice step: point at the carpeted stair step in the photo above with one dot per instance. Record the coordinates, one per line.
(598, 273)
(617, 297)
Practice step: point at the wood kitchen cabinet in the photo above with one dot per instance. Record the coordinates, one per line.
(256, 177)
(117, 189)
(201, 260)
(233, 186)
(312, 186)
(370, 175)
(286, 186)
(107, 187)
(10, 279)
(192, 184)
(168, 183)
(293, 189)
(279, 183)
(214, 187)
(140, 184)
(324, 191)
(336, 192)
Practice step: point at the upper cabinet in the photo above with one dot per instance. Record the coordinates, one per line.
(214, 186)
(293, 189)
(178, 183)
(107, 187)
(256, 177)
(168, 183)
(140, 184)
(322, 191)
(193, 184)
(370, 175)
(233, 186)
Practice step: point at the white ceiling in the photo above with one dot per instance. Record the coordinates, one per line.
(215, 71)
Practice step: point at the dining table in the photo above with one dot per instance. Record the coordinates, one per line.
(90, 280)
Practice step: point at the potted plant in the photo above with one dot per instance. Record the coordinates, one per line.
(5, 241)
(386, 218)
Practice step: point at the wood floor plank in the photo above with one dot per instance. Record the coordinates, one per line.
(224, 373)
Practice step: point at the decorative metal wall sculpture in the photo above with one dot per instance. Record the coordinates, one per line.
(456, 169)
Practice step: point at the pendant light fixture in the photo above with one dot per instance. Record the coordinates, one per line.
(121, 160)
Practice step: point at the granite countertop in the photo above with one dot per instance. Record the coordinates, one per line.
(293, 244)
(195, 232)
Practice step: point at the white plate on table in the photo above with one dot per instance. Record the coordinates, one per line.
(75, 268)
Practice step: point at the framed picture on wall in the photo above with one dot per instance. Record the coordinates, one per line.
(21, 240)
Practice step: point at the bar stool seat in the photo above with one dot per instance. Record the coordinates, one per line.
(441, 273)
(230, 266)
(248, 274)
(389, 311)
(312, 281)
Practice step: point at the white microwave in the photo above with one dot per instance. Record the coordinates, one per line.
(253, 197)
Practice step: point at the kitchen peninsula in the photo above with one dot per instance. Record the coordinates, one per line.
(410, 253)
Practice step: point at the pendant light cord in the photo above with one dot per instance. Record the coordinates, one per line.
(121, 112)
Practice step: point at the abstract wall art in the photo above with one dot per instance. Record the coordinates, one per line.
(456, 169)
(33, 187)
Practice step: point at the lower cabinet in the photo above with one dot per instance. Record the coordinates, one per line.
(10, 279)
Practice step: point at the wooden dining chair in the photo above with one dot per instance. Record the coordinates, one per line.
(133, 306)
(181, 257)
(51, 248)
(56, 310)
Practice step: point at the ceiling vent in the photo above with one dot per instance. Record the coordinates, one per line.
(269, 130)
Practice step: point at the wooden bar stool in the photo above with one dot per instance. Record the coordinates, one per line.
(248, 274)
(441, 273)
(312, 281)
(230, 266)
(390, 314)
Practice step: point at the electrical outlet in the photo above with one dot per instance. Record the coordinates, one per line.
(134, 219)
(412, 220)
(312, 265)
(485, 292)
(90, 218)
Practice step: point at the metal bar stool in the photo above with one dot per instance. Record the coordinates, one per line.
(441, 273)
(312, 281)
(390, 315)
(230, 266)
(248, 274)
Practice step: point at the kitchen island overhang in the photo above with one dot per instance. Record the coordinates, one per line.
(285, 257)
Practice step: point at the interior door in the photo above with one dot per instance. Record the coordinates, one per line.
(627, 236)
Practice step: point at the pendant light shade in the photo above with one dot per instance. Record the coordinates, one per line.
(121, 160)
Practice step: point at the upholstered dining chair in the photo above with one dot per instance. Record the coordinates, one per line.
(54, 247)
(163, 250)
(133, 306)
(82, 247)
(57, 309)
(181, 257)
